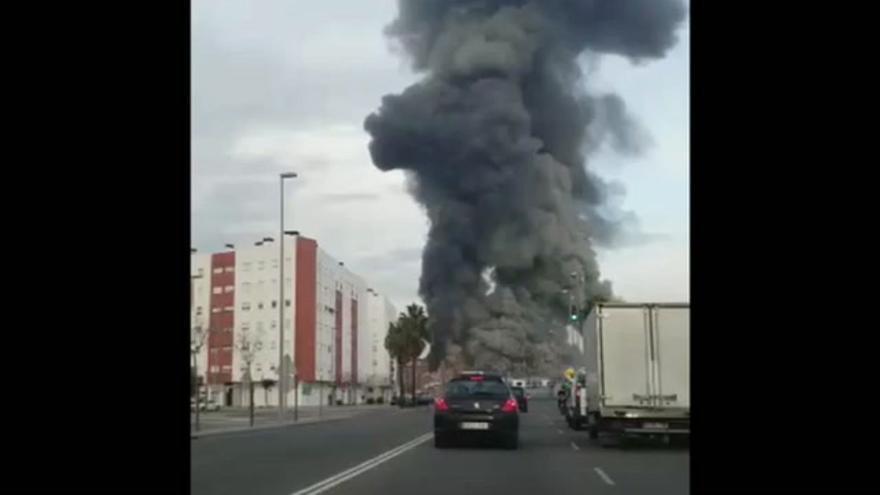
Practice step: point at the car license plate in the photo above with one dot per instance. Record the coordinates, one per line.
(474, 426)
(655, 426)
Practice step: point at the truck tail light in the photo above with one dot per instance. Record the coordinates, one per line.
(440, 404)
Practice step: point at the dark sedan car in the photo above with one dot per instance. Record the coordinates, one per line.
(521, 398)
(476, 404)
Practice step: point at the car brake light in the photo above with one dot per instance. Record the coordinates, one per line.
(476, 378)
(510, 406)
(440, 404)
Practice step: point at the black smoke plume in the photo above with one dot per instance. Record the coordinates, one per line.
(495, 137)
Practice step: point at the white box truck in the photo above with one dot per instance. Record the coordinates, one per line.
(637, 371)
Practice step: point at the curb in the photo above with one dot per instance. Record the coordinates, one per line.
(246, 429)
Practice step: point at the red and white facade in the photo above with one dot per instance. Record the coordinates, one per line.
(334, 324)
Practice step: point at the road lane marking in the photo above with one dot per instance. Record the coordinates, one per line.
(346, 475)
(574, 446)
(604, 476)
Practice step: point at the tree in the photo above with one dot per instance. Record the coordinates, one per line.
(395, 344)
(248, 347)
(198, 335)
(406, 341)
(417, 331)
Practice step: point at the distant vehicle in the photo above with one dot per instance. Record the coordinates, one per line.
(522, 398)
(637, 371)
(476, 403)
(204, 405)
(424, 400)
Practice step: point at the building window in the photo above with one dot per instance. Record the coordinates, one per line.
(215, 309)
(227, 349)
(215, 369)
(230, 269)
(261, 265)
(217, 290)
(229, 308)
(214, 350)
(198, 310)
(274, 304)
(247, 266)
(259, 305)
(228, 289)
(287, 302)
(274, 324)
(227, 368)
(219, 269)
(246, 306)
(287, 324)
(275, 263)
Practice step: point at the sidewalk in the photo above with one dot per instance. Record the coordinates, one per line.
(230, 420)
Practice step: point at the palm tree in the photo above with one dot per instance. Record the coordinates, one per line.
(406, 341)
(416, 323)
(395, 343)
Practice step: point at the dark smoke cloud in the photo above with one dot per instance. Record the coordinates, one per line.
(495, 137)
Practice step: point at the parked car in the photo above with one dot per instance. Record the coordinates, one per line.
(209, 405)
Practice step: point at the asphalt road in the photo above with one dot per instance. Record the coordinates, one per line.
(346, 457)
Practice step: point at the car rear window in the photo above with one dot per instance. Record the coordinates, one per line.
(483, 388)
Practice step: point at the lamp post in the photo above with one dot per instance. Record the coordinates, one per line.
(282, 375)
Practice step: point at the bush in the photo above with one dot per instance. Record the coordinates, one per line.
(338, 402)
(370, 400)
(380, 400)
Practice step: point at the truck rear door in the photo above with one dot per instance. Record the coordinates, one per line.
(671, 340)
(624, 345)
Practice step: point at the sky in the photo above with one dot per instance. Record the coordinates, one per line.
(285, 86)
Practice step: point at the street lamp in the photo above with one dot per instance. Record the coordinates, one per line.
(282, 377)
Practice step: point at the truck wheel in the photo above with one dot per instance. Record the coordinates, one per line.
(593, 426)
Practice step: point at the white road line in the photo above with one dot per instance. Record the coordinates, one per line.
(574, 446)
(604, 476)
(346, 475)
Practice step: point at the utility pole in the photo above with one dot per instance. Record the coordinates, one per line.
(282, 371)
